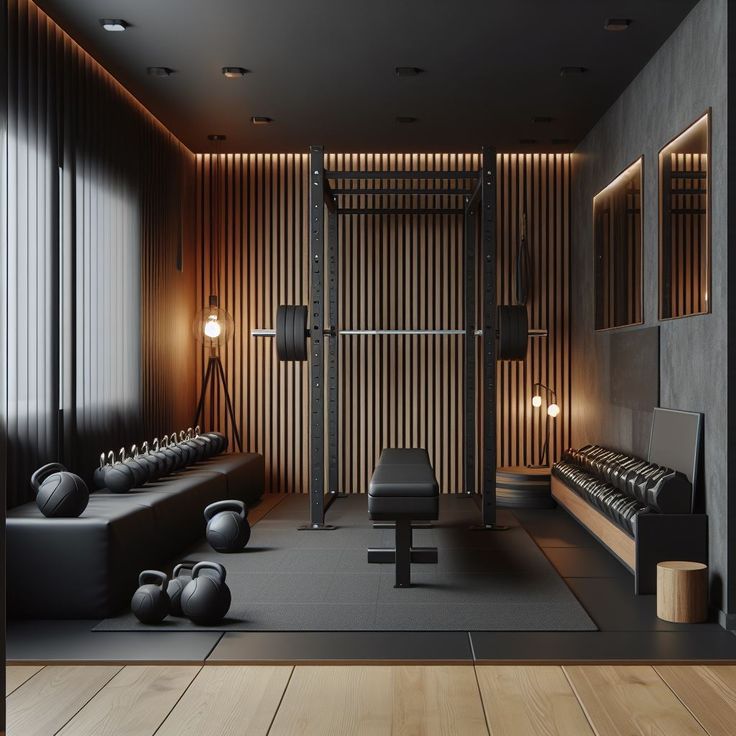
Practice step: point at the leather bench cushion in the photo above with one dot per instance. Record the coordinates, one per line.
(245, 474)
(383, 508)
(404, 456)
(78, 568)
(415, 480)
(178, 502)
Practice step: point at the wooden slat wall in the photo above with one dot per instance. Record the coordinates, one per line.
(395, 271)
(98, 346)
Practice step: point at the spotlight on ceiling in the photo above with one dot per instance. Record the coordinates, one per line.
(114, 24)
(405, 119)
(234, 72)
(569, 71)
(543, 119)
(261, 120)
(408, 71)
(617, 24)
(216, 137)
(159, 71)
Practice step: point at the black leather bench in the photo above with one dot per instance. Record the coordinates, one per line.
(403, 489)
(88, 567)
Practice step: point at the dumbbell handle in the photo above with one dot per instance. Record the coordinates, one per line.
(44, 472)
(218, 506)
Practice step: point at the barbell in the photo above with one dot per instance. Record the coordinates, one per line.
(292, 332)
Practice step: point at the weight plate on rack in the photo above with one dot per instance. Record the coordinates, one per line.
(513, 332)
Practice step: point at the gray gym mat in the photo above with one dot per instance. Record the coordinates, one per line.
(290, 580)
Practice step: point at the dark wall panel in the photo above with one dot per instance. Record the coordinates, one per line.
(96, 314)
(395, 272)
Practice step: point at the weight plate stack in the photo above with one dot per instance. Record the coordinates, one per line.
(513, 331)
(291, 332)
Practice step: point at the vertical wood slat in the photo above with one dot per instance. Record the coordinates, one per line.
(394, 271)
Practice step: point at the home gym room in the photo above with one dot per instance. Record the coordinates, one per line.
(366, 367)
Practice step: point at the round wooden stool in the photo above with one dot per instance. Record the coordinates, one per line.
(682, 592)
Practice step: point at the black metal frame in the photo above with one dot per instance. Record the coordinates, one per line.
(478, 206)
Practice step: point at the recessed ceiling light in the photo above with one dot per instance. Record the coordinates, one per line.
(261, 120)
(234, 72)
(566, 71)
(114, 24)
(159, 71)
(543, 119)
(408, 71)
(405, 119)
(617, 24)
(216, 137)
(527, 141)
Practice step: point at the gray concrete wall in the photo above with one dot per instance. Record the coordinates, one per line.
(686, 76)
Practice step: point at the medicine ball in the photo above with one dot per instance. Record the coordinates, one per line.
(180, 577)
(206, 598)
(150, 603)
(228, 529)
(58, 492)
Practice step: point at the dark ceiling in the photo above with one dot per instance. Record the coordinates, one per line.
(324, 69)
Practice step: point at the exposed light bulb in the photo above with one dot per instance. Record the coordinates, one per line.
(212, 328)
(537, 401)
(553, 410)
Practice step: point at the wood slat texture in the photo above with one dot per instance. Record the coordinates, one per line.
(530, 701)
(50, 699)
(708, 692)
(98, 350)
(395, 271)
(134, 703)
(333, 701)
(16, 676)
(630, 701)
(228, 701)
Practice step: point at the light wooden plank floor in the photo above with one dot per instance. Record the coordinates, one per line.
(594, 700)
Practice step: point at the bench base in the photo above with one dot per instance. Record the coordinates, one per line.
(417, 555)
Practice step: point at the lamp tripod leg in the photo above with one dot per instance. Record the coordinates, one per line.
(229, 405)
(203, 391)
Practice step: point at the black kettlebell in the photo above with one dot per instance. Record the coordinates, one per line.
(182, 457)
(165, 462)
(228, 529)
(150, 603)
(59, 493)
(98, 477)
(155, 468)
(196, 449)
(139, 472)
(222, 440)
(171, 457)
(209, 444)
(119, 477)
(206, 598)
(180, 577)
(190, 455)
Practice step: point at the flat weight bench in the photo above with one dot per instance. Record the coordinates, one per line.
(403, 489)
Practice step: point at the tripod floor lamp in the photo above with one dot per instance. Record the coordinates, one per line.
(553, 411)
(213, 327)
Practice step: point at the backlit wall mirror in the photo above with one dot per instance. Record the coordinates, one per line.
(617, 238)
(684, 223)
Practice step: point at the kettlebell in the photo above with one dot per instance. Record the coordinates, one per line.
(139, 472)
(180, 577)
(98, 477)
(119, 477)
(166, 453)
(209, 443)
(184, 449)
(164, 460)
(228, 529)
(196, 448)
(221, 439)
(59, 493)
(149, 461)
(206, 598)
(181, 455)
(150, 603)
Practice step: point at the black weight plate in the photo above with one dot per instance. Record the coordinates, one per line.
(513, 332)
(299, 344)
(290, 332)
(281, 351)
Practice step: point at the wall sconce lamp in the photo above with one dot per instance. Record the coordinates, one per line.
(553, 411)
